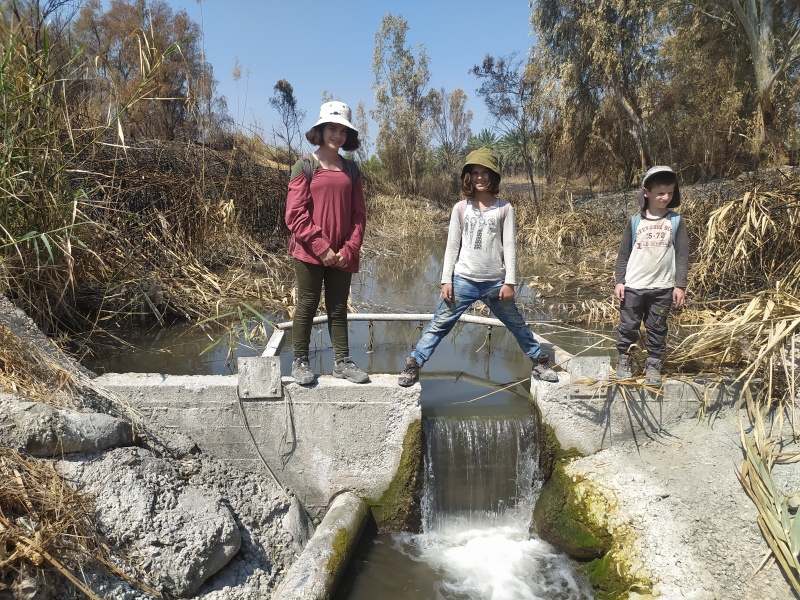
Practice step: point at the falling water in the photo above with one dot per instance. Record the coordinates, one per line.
(481, 480)
(479, 472)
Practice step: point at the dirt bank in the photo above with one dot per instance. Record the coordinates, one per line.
(696, 535)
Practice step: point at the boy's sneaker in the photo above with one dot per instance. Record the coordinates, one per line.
(623, 366)
(345, 368)
(652, 371)
(301, 371)
(410, 374)
(543, 371)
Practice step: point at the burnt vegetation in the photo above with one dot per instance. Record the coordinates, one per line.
(129, 194)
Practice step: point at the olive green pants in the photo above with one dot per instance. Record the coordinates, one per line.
(310, 279)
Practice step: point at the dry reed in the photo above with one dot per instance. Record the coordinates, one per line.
(45, 523)
(777, 516)
(397, 217)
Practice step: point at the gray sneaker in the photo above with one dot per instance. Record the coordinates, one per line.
(301, 371)
(345, 368)
(410, 374)
(543, 371)
(623, 366)
(652, 371)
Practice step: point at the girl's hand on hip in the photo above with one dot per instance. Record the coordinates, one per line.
(447, 292)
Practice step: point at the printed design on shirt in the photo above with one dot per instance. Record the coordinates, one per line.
(654, 235)
(475, 223)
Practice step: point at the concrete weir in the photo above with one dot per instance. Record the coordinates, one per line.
(335, 444)
(318, 440)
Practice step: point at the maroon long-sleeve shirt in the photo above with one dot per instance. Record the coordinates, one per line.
(327, 213)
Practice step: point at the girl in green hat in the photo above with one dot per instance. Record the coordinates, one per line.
(479, 264)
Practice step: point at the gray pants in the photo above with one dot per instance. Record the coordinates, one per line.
(652, 306)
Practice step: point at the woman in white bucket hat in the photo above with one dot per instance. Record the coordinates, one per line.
(326, 213)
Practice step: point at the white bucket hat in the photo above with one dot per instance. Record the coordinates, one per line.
(335, 112)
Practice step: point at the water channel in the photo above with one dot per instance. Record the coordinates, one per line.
(481, 479)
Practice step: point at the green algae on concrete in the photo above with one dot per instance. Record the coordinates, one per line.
(560, 517)
(612, 580)
(342, 546)
(571, 513)
(398, 507)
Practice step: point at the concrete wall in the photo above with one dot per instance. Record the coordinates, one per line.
(589, 411)
(319, 441)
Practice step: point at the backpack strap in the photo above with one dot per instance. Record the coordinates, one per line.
(308, 168)
(461, 207)
(351, 168)
(348, 166)
(674, 219)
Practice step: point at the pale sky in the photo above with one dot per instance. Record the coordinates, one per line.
(320, 46)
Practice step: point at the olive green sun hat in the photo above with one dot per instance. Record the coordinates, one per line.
(484, 157)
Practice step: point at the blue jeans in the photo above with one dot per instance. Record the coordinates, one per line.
(465, 293)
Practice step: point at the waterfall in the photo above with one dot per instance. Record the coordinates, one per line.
(481, 480)
(479, 472)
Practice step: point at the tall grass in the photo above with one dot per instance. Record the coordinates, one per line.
(39, 214)
(95, 229)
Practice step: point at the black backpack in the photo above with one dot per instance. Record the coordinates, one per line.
(348, 166)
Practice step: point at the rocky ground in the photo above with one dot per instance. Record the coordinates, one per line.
(696, 530)
(195, 526)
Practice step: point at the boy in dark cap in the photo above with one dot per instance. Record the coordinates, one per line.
(651, 271)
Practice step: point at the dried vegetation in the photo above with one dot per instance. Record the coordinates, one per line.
(48, 526)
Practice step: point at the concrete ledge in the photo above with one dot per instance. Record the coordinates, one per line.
(318, 440)
(315, 574)
(590, 418)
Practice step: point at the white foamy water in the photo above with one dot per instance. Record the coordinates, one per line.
(480, 485)
(494, 563)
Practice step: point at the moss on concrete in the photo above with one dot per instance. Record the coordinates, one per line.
(560, 517)
(550, 450)
(612, 577)
(398, 507)
(572, 514)
(342, 544)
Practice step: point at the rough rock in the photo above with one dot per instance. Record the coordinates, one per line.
(40, 430)
(183, 535)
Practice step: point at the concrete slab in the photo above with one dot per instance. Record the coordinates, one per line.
(590, 418)
(593, 367)
(259, 377)
(318, 440)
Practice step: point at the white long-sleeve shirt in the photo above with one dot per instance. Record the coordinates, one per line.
(481, 245)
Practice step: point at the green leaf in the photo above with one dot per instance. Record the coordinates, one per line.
(794, 537)
(46, 242)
